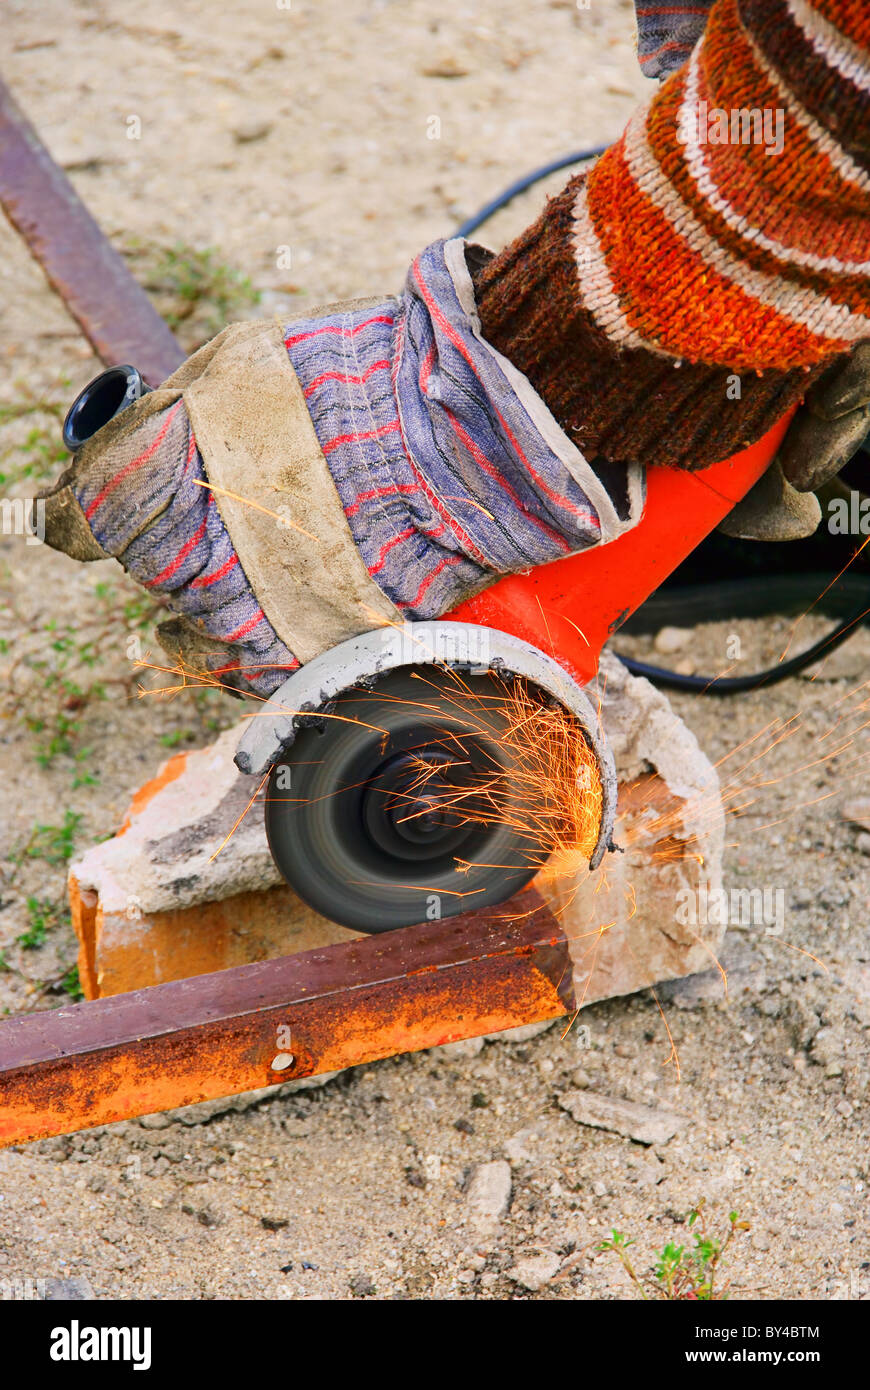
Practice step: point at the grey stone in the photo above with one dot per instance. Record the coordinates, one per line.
(535, 1270)
(361, 1286)
(827, 1049)
(466, 1047)
(518, 1147)
(848, 662)
(76, 1288)
(489, 1192)
(625, 1117)
(671, 639)
(857, 811)
(651, 1173)
(524, 1033)
(705, 987)
(446, 65)
(248, 131)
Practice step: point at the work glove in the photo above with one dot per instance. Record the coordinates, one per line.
(827, 430)
(831, 425)
(294, 485)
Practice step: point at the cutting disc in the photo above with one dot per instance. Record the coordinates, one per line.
(403, 803)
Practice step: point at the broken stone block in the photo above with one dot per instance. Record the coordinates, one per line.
(639, 918)
(178, 892)
(188, 886)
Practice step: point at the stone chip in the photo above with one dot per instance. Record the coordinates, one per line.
(624, 1117)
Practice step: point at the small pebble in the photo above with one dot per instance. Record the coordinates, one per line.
(249, 131)
(671, 639)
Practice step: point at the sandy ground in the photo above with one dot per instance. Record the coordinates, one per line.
(309, 128)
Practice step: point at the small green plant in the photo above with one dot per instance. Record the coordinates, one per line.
(81, 664)
(70, 984)
(195, 292)
(66, 983)
(618, 1243)
(174, 737)
(41, 916)
(36, 456)
(74, 664)
(54, 843)
(680, 1273)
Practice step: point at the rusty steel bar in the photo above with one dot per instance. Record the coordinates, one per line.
(215, 1035)
(113, 311)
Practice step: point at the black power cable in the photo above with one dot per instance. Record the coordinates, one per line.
(738, 685)
(672, 680)
(521, 185)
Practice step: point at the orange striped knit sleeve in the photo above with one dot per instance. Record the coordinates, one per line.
(727, 231)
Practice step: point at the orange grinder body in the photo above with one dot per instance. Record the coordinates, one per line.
(570, 608)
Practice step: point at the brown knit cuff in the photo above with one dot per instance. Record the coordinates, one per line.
(626, 405)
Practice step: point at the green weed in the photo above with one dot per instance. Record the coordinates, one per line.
(70, 984)
(194, 291)
(680, 1273)
(35, 457)
(54, 843)
(41, 916)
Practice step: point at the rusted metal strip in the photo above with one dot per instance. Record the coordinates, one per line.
(113, 311)
(215, 1035)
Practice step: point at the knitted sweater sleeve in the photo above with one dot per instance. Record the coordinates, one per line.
(726, 234)
(666, 34)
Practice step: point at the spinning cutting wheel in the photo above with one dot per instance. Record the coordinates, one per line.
(404, 802)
